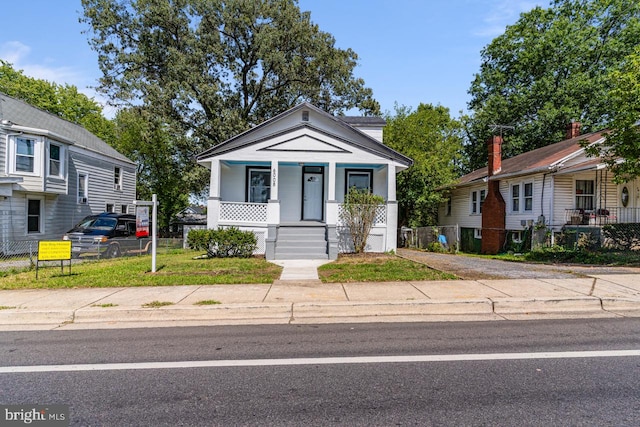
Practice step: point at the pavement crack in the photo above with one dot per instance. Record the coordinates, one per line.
(291, 318)
(593, 288)
(189, 294)
(267, 294)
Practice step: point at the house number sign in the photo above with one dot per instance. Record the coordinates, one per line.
(273, 174)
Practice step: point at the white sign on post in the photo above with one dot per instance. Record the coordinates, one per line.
(140, 222)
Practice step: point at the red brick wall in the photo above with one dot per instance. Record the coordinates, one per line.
(493, 220)
(494, 208)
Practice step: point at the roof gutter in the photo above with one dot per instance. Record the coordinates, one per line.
(35, 131)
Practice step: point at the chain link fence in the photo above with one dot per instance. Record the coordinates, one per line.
(444, 238)
(23, 254)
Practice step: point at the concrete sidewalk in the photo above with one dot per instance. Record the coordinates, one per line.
(309, 301)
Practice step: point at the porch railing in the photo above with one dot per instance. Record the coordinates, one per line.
(602, 216)
(243, 212)
(380, 218)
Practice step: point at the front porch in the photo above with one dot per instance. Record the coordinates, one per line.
(307, 239)
(602, 216)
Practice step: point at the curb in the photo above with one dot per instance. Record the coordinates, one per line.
(399, 308)
(171, 313)
(323, 312)
(21, 316)
(569, 305)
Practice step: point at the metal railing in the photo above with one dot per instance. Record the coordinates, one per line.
(602, 216)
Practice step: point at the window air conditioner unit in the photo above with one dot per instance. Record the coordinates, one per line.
(82, 200)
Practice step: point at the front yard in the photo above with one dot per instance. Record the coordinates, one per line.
(180, 267)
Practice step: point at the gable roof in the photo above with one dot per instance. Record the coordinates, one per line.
(543, 159)
(360, 140)
(14, 111)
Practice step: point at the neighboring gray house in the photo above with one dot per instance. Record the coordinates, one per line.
(55, 173)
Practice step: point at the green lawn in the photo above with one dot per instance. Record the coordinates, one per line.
(180, 267)
(377, 268)
(174, 268)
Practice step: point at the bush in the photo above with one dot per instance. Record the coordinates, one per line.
(623, 236)
(223, 242)
(359, 213)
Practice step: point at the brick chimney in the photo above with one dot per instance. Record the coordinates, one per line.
(494, 209)
(573, 129)
(495, 154)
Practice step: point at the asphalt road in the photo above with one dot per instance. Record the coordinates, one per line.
(257, 375)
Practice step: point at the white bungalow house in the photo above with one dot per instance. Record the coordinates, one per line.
(557, 186)
(286, 178)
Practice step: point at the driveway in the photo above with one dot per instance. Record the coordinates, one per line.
(475, 268)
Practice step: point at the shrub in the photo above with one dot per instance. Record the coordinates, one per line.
(358, 214)
(624, 236)
(223, 242)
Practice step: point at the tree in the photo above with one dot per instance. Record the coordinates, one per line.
(433, 140)
(623, 142)
(547, 69)
(213, 68)
(62, 100)
(358, 214)
(145, 139)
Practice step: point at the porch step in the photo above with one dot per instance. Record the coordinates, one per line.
(300, 242)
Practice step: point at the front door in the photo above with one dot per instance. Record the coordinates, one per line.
(312, 193)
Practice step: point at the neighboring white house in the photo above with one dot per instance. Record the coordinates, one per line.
(286, 178)
(55, 173)
(557, 185)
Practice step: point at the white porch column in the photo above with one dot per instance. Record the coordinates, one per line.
(332, 204)
(273, 212)
(392, 210)
(273, 208)
(332, 213)
(391, 182)
(213, 203)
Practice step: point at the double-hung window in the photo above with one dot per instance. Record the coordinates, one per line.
(83, 185)
(585, 194)
(528, 196)
(477, 200)
(55, 160)
(522, 197)
(25, 155)
(515, 198)
(34, 216)
(117, 178)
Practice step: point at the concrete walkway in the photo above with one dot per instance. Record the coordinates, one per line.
(292, 300)
(300, 269)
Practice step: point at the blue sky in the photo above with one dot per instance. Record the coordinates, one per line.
(410, 51)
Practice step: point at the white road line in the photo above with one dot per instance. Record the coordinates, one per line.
(317, 361)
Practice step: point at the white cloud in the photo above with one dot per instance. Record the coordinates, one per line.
(14, 51)
(502, 13)
(17, 54)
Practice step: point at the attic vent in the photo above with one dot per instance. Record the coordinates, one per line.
(305, 116)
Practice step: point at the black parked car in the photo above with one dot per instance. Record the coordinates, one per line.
(107, 235)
